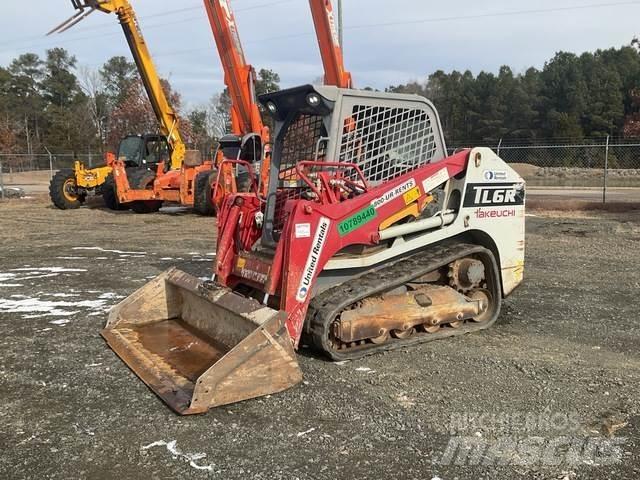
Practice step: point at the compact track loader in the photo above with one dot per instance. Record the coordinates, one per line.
(370, 238)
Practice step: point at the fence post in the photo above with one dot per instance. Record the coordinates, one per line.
(606, 171)
(499, 145)
(1, 182)
(50, 163)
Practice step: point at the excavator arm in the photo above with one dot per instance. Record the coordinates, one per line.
(166, 115)
(335, 73)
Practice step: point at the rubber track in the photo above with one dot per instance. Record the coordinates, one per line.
(325, 307)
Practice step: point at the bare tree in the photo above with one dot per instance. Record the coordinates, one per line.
(93, 86)
(218, 116)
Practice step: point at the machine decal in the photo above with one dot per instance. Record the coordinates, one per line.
(495, 175)
(494, 195)
(322, 232)
(303, 230)
(435, 180)
(358, 220)
(495, 213)
(391, 194)
(411, 196)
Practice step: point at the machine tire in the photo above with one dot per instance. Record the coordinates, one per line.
(202, 196)
(61, 190)
(143, 179)
(109, 195)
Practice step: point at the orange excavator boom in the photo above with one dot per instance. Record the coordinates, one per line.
(239, 76)
(335, 73)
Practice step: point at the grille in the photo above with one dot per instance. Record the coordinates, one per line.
(386, 142)
(300, 143)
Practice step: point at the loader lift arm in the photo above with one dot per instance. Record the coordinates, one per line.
(165, 114)
(335, 73)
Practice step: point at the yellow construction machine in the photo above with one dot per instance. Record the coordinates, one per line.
(148, 168)
(69, 188)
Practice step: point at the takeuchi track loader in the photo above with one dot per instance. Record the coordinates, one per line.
(370, 238)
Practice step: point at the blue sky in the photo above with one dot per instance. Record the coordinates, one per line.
(386, 42)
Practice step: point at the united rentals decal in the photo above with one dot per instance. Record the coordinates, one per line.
(494, 195)
(322, 232)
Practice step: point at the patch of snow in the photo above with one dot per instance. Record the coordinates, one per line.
(11, 285)
(110, 295)
(45, 275)
(59, 322)
(302, 434)
(189, 457)
(45, 308)
(166, 258)
(71, 258)
(7, 276)
(364, 369)
(48, 269)
(100, 249)
(93, 364)
(59, 295)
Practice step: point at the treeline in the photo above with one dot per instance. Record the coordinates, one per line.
(48, 103)
(572, 97)
(53, 104)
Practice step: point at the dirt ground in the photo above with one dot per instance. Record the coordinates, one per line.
(565, 350)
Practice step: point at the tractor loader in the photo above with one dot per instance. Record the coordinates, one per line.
(369, 238)
(69, 187)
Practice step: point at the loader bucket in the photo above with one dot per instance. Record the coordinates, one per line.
(199, 347)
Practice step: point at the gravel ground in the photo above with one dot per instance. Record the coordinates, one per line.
(564, 357)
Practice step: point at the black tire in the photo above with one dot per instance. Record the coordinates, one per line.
(110, 196)
(202, 193)
(63, 190)
(142, 179)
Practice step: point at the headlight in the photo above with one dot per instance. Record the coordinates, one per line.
(313, 99)
(272, 107)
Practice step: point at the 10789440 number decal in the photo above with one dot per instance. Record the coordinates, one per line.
(357, 220)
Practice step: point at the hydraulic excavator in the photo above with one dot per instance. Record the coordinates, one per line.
(369, 238)
(167, 170)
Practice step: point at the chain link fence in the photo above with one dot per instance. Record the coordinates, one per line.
(604, 169)
(34, 171)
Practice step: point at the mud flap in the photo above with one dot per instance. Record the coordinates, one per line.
(199, 347)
